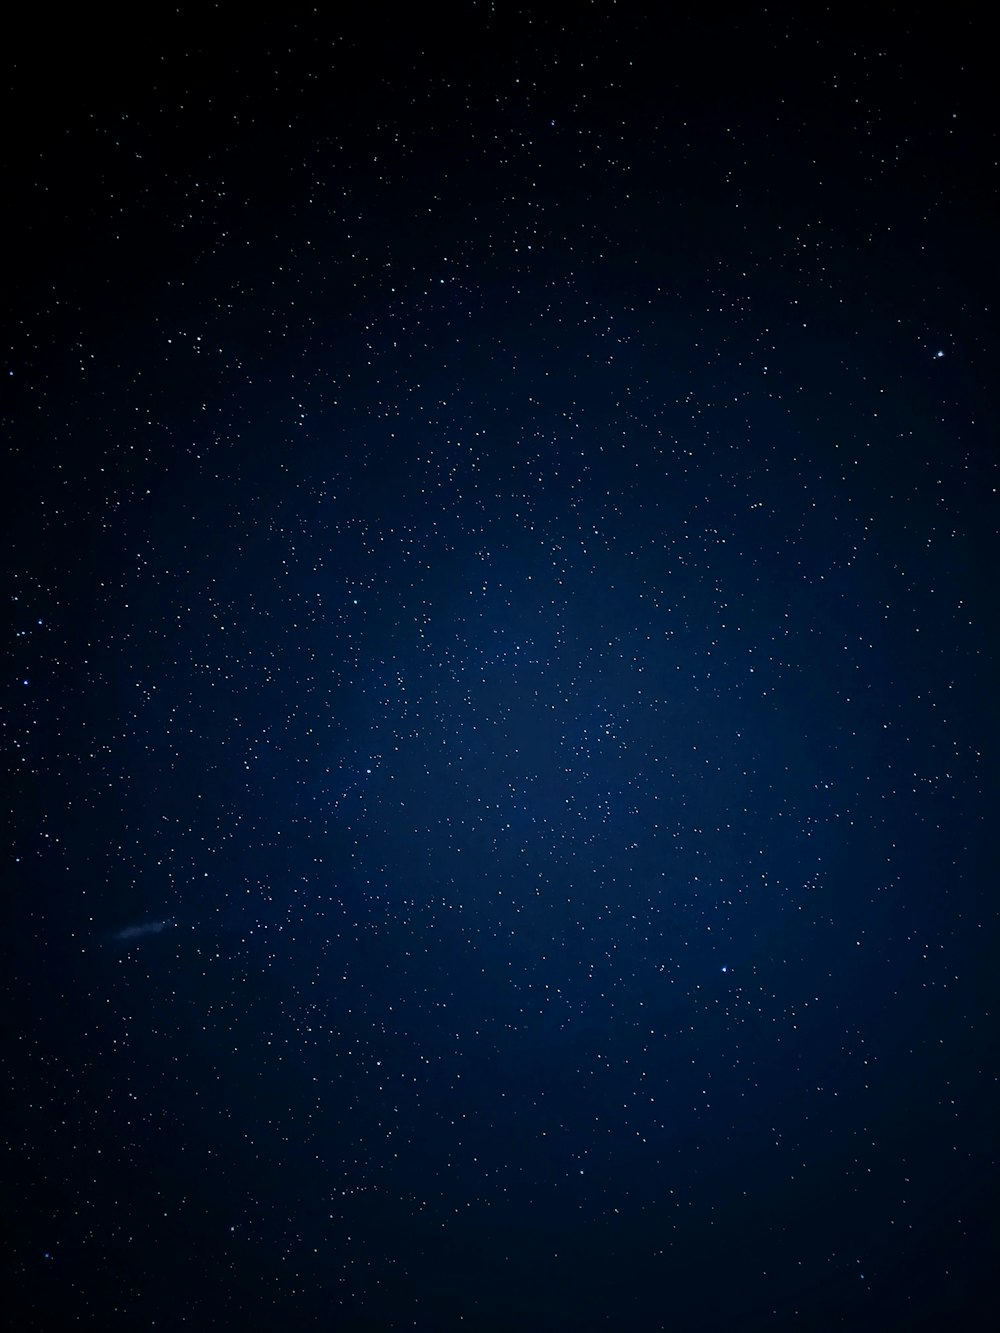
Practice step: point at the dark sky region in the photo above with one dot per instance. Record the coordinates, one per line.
(499, 715)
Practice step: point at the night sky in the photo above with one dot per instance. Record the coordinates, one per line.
(499, 715)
